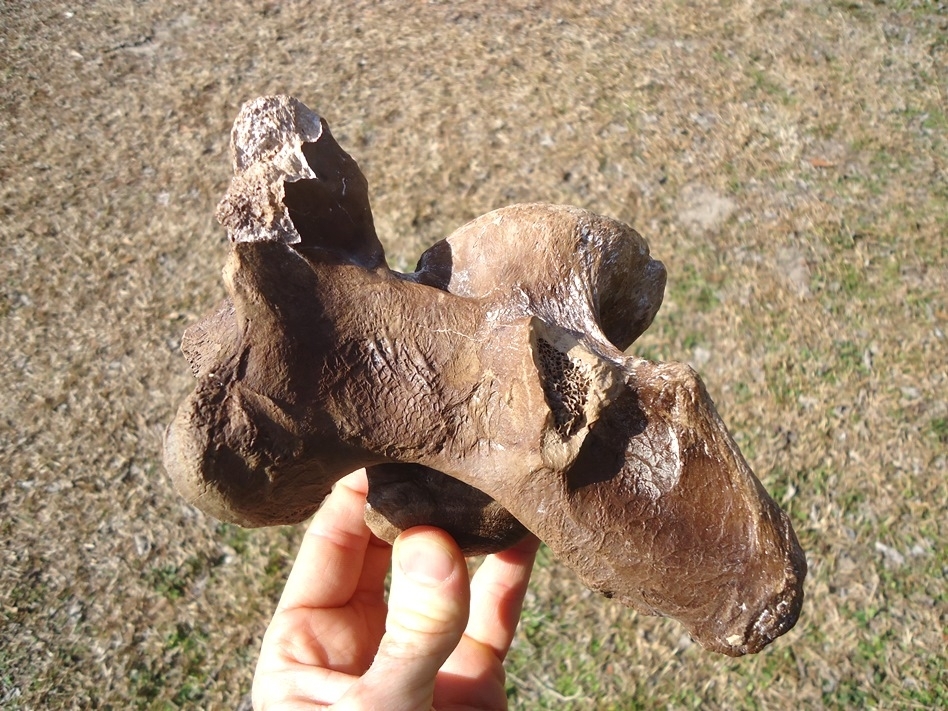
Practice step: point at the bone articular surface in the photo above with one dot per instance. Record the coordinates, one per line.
(487, 393)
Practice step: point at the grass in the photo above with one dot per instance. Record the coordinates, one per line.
(173, 581)
(813, 308)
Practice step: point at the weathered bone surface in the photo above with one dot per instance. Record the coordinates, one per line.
(487, 393)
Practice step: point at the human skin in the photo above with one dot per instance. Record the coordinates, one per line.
(439, 641)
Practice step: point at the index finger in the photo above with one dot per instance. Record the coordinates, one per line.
(337, 555)
(497, 592)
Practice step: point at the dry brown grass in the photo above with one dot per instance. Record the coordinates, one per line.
(787, 162)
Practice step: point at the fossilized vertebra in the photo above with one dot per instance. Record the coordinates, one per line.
(486, 393)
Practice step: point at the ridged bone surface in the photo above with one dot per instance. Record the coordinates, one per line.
(486, 393)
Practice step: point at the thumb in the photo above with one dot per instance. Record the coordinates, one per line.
(428, 609)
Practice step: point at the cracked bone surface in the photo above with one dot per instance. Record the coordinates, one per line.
(486, 393)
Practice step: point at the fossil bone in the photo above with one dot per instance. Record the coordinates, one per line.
(486, 393)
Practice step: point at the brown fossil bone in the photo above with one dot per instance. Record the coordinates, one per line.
(486, 393)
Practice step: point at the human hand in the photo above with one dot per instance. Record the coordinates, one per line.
(441, 640)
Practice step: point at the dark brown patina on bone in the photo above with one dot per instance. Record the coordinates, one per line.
(487, 393)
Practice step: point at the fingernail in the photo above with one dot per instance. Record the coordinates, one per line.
(425, 562)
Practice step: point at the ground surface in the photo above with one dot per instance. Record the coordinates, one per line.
(787, 163)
